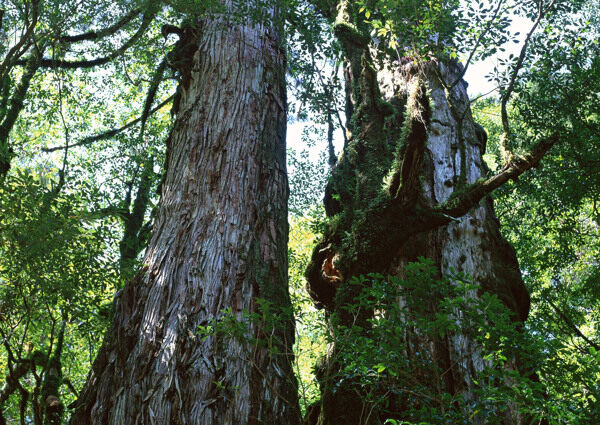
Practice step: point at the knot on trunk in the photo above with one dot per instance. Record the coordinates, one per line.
(323, 277)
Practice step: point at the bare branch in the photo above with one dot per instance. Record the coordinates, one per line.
(476, 98)
(483, 34)
(71, 387)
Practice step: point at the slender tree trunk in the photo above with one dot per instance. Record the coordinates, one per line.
(411, 182)
(10, 108)
(135, 232)
(53, 406)
(219, 242)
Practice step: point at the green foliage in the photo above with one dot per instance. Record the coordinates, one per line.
(550, 216)
(61, 212)
(313, 62)
(53, 269)
(411, 28)
(392, 364)
(310, 344)
(393, 367)
(307, 176)
(196, 7)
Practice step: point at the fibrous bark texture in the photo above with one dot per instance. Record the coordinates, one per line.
(219, 243)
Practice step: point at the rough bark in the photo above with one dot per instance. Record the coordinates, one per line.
(219, 242)
(471, 244)
(411, 182)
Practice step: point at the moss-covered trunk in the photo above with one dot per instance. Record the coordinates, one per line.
(411, 182)
(219, 247)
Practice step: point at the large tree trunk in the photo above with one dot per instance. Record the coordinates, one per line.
(472, 244)
(219, 242)
(411, 182)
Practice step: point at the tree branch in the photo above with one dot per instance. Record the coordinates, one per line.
(332, 160)
(157, 78)
(458, 205)
(506, 95)
(95, 35)
(7, 60)
(71, 387)
(8, 120)
(107, 134)
(111, 211)
(13, 376)
(483, 34)
(572, 325)
(65, 64)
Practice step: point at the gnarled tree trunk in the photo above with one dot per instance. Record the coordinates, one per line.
(411, 182)
(471, 244)
(219, 242)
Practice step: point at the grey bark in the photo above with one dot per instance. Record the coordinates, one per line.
(411, 182)
(219, 242)
(471, 244)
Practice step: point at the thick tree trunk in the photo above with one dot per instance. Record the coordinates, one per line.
(471, 244)
(219, 242)
(411, 182)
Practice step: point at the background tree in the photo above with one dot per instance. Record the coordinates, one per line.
(412, 182)
(60, 208)
(36, 38)
(55, 280)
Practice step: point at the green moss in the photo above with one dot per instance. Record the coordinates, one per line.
(415, 111)
(385, 108)
(459, 192)
(349, 35)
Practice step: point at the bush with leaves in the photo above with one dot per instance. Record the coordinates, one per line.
(56, 286)
(387, 359)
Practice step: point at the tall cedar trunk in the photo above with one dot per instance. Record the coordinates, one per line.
(472, 244)
(410, 123)
(219, 242)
